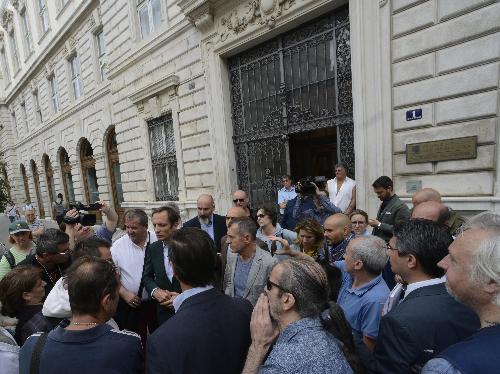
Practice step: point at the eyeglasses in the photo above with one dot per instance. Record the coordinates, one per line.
(270, 285)
(358, 222)
(238, 200)
(391, 248)
(261, 215)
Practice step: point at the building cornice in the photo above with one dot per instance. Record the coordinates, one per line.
(166, 84)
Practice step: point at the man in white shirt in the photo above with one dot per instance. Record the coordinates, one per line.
(136, 311)
(342, 189)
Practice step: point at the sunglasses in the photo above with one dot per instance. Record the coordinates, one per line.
(238, 200)
(391, 248)
(270, 285)
(261, 215)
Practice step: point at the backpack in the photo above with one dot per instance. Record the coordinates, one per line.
(4, 252)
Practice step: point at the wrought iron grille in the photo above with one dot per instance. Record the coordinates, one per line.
(297, 82)
(163, 158)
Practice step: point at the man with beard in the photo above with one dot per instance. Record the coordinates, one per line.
(136, 311)
(286, 322)
(213, 224)
(473, 278)
(338, 234)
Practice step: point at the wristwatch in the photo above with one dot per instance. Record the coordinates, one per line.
(379, 224)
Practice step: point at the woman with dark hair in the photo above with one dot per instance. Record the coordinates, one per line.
(359, 220)
(310, 236)
(21, 293)
(267, 219)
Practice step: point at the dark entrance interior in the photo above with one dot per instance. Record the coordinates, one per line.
(313, 153)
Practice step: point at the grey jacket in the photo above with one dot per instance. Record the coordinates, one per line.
(394, 212)
(261, 267)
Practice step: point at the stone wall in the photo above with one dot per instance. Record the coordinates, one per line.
(445, 60)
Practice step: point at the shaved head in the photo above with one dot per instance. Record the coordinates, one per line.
(240, 198)
(235, 212)
(426, 194)
(205, 199)
(432, 211)
(206, 207)
(339, 219)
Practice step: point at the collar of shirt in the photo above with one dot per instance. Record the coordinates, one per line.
(429, 282)
(294, 328)
(366, 287)
(187, 294)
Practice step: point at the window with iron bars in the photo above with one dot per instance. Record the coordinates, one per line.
(163, 158)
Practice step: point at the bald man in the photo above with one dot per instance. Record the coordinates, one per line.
(240, 198)
(338, 234)
(455, 220)
(213, 224)
(432, 211)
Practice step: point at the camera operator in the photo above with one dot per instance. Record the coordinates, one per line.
(78, 232)
(309, 203)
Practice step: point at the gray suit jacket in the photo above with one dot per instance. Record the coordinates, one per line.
(261, 267)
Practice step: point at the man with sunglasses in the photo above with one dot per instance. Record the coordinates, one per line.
(287, 317)
(51, 256)
(240, 199)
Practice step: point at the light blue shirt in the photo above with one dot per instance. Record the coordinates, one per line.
(208, 228)
(187, 294)
(241, 276)
(284, 194)
(362, 306)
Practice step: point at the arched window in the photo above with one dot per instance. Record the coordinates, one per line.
(36, 178)
(114, 168)
(67, 178)
(88, 171)
(25, 182)
(49, 174)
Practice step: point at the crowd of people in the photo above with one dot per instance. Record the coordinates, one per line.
(306, 284)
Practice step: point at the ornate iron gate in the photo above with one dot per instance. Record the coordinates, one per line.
(297, 82)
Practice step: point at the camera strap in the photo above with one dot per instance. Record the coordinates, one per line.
(141, 285)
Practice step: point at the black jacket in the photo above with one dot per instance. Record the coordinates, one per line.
(426, 322)
(155, 276)
(220, 228)
(209, 334)
(394, 212)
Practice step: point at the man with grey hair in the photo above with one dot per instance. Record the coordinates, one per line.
(363, 291)
(288, 315)
(248, 266)
(473, 278)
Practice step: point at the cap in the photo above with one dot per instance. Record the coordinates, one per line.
(16, 227)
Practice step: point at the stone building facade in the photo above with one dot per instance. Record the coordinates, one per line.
(141, 101)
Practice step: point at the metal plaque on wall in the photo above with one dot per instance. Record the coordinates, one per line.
(442, 150)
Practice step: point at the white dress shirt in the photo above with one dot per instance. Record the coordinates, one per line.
(129, 259)
(168, 265)
(429, 282)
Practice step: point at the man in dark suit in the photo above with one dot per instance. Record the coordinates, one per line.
(158, 276)
(391, 211)
(213, 224)
(427, 320)
(210, 332)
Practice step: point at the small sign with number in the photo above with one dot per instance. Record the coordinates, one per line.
(414, 114)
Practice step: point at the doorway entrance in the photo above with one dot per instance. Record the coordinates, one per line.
(292, 106)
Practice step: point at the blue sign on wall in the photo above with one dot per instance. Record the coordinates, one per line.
(414, 114)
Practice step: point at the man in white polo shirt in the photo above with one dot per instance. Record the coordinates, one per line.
(136, 311)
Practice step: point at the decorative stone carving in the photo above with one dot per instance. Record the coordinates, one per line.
(263, 12)
(7, 19)
(199, 13)
(95, 22)
(19, 5)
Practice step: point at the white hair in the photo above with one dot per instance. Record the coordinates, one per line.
(485, 266)
(372, 251)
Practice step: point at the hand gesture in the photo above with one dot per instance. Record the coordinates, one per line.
(262, 329)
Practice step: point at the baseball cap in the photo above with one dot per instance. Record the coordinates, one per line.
(16, 227)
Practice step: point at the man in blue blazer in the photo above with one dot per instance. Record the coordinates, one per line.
(427, 320)
(210, 332)
(213, 224)
(158, 275)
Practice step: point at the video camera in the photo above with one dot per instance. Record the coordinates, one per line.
(85, 219)
(306, 186)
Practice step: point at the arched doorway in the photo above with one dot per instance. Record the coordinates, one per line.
(36, 178)
(25, 183)
(88, 171)
(114, 171)
(67, 178)
(49, 174)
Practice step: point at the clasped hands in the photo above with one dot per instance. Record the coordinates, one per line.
(164, 297)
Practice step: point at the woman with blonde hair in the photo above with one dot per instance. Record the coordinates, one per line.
(310, 236)
(22, 245)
